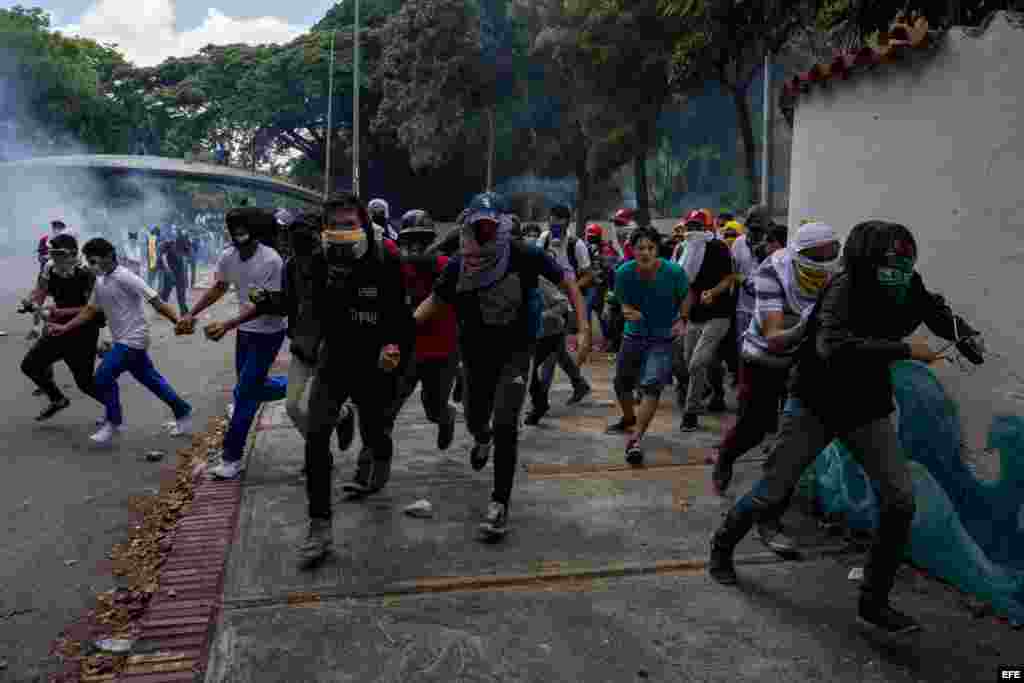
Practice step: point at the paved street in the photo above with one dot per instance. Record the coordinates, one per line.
(600, 579)
(64, 503)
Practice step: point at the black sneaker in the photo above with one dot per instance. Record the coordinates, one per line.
(38, 392)
(776, 540)
(716, 405)
(360, 483)
(446, 431)
(689, 423)
(533, 418)
(495, 524)
(884, 617)
(346, 430)
(330, 466)
(457, 391)
(52, 409)
(620, 427)
(479, 455)
(721, 475)
(634, 454)
(318, 543)
(578, 394)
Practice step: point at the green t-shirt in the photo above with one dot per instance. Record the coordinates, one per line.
(658, 299)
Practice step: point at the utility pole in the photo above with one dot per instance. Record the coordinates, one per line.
(766, 152)
(355, 104)
(330, 120)
(490, 151)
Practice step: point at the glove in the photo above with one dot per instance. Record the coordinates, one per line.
(973, 349)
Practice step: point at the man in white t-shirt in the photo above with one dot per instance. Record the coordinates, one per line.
(557, 242)
(122, 295)
(253, 269)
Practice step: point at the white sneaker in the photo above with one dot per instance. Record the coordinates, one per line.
(105, 435)
(227, 470)
(231, 410)
(182, 427)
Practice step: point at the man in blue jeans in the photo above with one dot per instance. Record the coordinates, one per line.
(120, 294)
(655, 303)
(253, 268)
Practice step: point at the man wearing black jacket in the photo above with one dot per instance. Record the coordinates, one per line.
(360, 298)
(855, 332)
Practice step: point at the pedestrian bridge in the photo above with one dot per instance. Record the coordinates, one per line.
(166, 167)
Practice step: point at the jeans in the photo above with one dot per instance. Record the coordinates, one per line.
(437, 375)
(77, 350)
(176, 281)
(643, 361)
(255, 352)
(138, 364)
(802, 435)
(373, 391)
(700, 349)
(495, 387)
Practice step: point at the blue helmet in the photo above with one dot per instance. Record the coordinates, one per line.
(486, 205)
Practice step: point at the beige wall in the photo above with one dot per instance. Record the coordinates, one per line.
(936, 144)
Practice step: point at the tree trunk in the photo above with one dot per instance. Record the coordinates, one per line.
(748, 147)
(583, 193)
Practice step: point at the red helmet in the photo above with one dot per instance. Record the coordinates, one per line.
(623, 217)
(594, 230)
(697, 216)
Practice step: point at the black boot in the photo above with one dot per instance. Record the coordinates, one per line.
(880, 572)
(724, 542)
(360, 483)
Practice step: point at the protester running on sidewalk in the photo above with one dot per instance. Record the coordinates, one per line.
(655, 303)
(572, 254)
(786, 288)
(490, 283)
(369, 337)
(120, 294)
(853, 336)
(436, 361)
(303, 272)
(252, 268)
(707, 263)
(70, 285)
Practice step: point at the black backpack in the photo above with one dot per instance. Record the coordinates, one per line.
(570, 250)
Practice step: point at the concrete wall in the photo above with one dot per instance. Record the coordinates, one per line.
(936, 144)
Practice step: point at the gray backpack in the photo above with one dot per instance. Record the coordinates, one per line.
(555, 309)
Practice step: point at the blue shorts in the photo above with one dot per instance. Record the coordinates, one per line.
(645, 362)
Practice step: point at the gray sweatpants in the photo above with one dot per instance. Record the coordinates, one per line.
(700, 350)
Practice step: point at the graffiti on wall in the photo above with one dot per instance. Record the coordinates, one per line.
(967, 531)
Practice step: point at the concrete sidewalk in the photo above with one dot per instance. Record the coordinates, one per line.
(601, 577)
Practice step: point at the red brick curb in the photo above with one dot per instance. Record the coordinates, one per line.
(180, 619)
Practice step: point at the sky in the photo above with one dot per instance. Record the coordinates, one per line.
(150, 31)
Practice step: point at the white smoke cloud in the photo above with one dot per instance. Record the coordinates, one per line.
(144, 30)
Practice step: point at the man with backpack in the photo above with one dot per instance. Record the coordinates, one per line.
(574, 258)
(252, 268)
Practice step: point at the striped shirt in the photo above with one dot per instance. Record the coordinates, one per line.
(770, 297)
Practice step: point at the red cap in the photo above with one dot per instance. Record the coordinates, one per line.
(697, 216)
(594, 230)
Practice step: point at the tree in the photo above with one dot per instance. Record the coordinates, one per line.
(867, 17)
(733, 40)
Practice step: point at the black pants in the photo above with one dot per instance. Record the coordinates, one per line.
(77, 350)
(495, 386)
(175, 279)
(373, 392)
(437, 377)
(542, 351)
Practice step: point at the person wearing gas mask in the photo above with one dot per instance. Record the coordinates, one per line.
(786, 287)
(303, 270)
(604, 260)
(572, 254)
(119, 295)
(707, 264)
(854, 333)
(489, 284)
(69, 284)
(253, 269)
(380, 216)
(369, 336)
(436, 361)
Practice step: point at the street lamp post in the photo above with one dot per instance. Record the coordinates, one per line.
(330, 115)
(355, 103)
